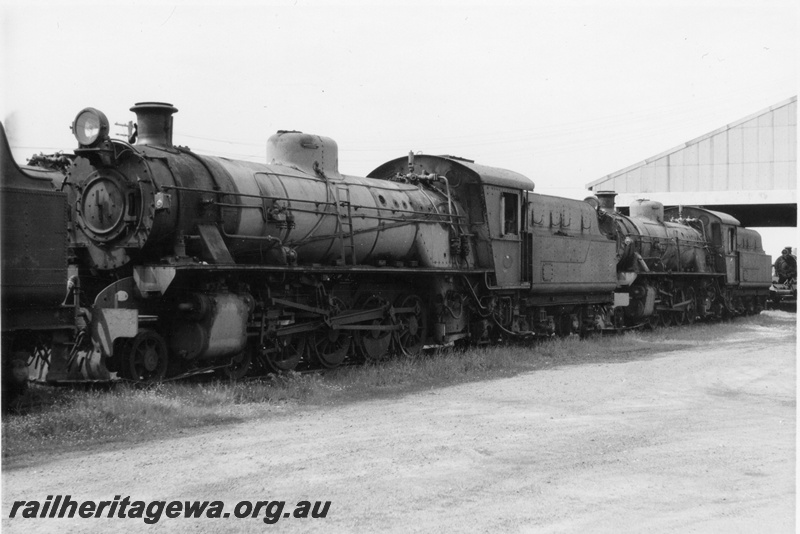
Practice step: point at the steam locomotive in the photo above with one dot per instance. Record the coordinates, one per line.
(174, 263)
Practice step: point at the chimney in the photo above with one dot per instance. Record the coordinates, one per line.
(154, 123)
(606, 199)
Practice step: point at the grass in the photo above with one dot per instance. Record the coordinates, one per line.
(63, 418)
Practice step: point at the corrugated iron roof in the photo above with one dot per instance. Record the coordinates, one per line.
(695, 141)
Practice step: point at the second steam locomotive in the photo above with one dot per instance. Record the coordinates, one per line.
(179, 262)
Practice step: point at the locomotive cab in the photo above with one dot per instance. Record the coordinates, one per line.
(508, 241)
(493, 201)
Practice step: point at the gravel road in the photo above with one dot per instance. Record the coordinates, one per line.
(699, 440)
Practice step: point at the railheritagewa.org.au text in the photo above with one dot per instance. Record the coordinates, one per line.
(153, 511)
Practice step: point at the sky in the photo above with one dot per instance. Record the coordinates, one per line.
(564, 92)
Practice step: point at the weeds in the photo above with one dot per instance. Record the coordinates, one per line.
(58, 418)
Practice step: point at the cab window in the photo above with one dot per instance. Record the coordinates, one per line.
(510, 209)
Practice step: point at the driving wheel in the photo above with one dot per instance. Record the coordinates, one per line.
(329, 347)
(411, 337)
(374, 344)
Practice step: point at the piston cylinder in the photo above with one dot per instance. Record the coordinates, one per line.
(210, 325)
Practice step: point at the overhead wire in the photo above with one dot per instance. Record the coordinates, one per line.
(573, 131)
(590, 133)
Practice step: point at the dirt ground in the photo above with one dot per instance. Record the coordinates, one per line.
(699, 440)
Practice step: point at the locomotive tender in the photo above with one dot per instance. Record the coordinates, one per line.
(181, 262)
(34, 260)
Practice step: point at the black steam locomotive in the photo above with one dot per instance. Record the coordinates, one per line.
(162, 262)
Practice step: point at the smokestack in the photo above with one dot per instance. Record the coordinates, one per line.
(606, 199)
(154, 123)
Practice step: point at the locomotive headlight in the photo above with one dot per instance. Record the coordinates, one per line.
(90, 127)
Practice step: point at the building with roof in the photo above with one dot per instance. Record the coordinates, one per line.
(747, 168)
